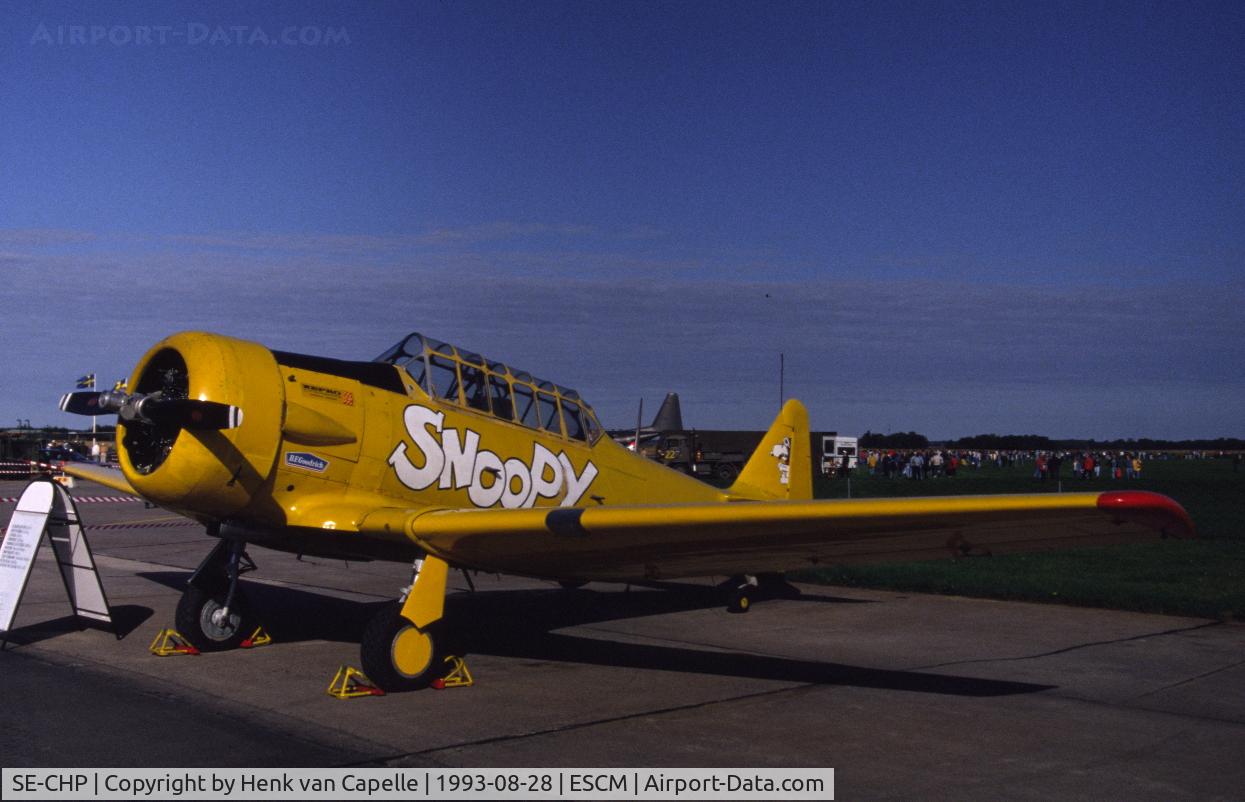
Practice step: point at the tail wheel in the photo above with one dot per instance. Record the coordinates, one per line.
(741, 600)
(741, 591)
(201, 618)
(399, 656)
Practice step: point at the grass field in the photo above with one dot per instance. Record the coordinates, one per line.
(1204, 577)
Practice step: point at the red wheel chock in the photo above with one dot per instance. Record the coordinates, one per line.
(350, 682)
(171, 642)
(459, 676)
(258, 638)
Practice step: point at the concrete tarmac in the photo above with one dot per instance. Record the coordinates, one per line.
(906, 696)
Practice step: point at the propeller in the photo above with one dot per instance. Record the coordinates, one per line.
(181, 413)
(83, 403)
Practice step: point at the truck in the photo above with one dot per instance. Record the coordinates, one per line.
(719, 455)
(707, 454)
(838, 452)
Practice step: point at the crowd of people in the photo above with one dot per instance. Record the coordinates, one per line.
(1088, 465)
(935, 462)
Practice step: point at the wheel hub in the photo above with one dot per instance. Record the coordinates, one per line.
(219, 623)
(411, 651)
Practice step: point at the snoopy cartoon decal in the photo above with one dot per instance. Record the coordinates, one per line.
(783, 452)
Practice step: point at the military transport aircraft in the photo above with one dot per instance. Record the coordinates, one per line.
(438, 456)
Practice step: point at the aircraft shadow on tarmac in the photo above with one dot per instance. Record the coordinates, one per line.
(524, 624)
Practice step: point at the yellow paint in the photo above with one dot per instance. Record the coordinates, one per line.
(386, 463)
(780, 468)
(218, 473)
(459, 675)
(306, 426)
(349, 683)
(412, 651)
(247, 472)
(100, 475)
(426, 601)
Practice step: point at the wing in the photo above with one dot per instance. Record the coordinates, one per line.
(108, 477)
(671, 541)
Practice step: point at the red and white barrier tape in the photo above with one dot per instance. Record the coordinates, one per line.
(144, 525)
(82, 499)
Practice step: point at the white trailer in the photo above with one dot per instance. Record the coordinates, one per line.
(836, 450)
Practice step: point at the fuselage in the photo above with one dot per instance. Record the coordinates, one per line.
(325, 442)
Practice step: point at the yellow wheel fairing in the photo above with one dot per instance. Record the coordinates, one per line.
(214, 472)
(425, 604)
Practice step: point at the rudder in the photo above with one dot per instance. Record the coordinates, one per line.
(782, 465)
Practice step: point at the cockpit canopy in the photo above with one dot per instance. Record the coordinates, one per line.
(469, 380)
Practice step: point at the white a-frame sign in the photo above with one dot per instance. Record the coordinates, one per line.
(47, 507)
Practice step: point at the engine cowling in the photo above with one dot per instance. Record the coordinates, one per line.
(209, 472)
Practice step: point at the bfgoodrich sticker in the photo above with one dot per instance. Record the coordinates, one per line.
(302, 459)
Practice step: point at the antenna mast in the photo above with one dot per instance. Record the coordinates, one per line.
(782, 373)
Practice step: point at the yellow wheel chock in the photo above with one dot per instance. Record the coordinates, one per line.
(258, 638)
(459, 676)
(350, 682)
(170, 642)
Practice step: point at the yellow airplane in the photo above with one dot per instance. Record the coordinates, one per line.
(438, 456)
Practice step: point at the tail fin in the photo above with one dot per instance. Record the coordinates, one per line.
(669, 418)
(782, 465)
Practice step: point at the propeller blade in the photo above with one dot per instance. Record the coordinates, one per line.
(188, 413)
(83, 403)
(178, 413)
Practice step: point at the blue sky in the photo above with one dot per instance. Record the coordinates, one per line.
(950, 217)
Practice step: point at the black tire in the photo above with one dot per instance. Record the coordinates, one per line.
(195, 622)
(725, 472)
(741, 600)
(389, 640)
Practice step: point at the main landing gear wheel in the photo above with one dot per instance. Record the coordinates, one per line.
(201, 619)
(399, 656)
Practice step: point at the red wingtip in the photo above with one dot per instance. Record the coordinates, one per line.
(1151, 509)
